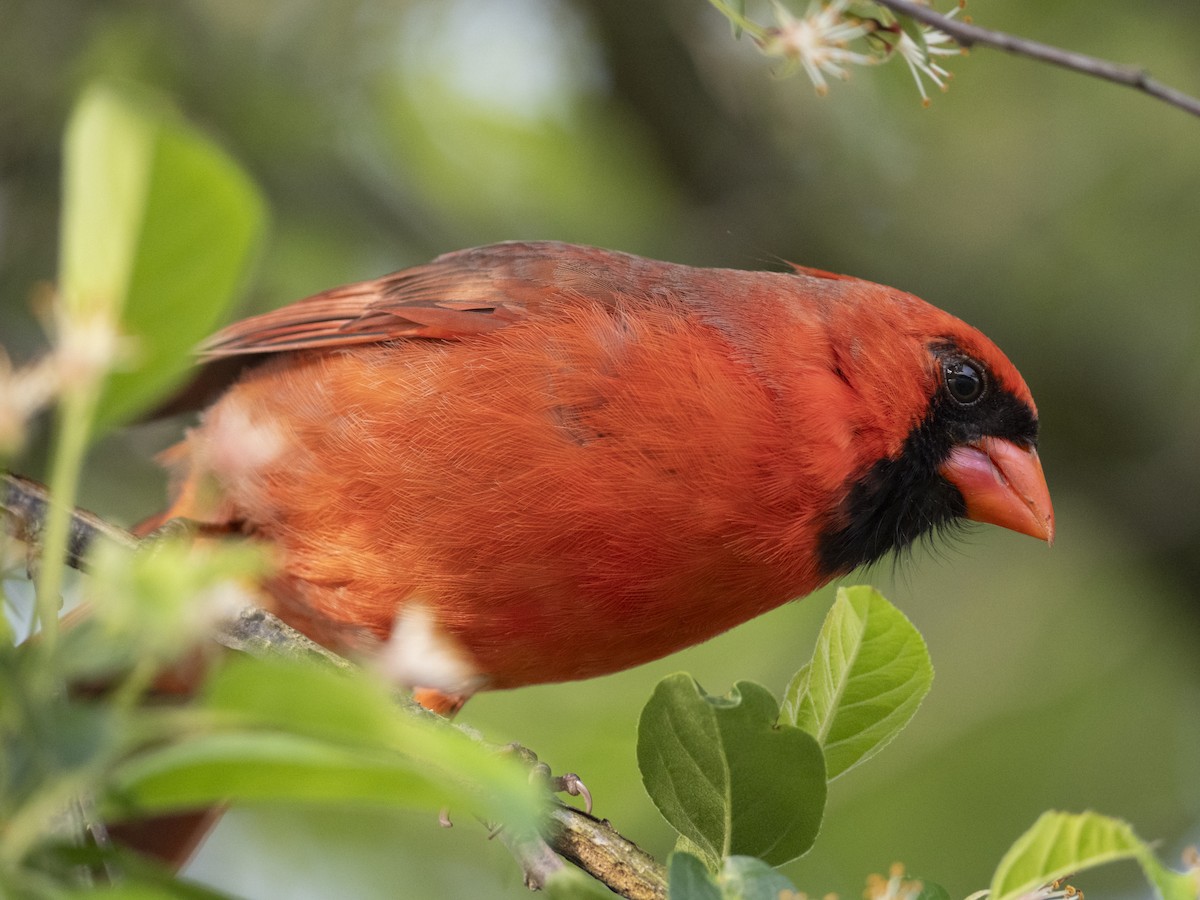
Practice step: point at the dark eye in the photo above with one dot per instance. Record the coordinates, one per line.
(965, 381)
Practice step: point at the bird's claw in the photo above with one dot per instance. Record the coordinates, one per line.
(572, 785)
(568, 783)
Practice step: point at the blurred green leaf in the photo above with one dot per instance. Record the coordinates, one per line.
(141, 878)
(726, 775)
(268, 766)
(133, 891)
(869, 672)
(1062, 844)
(353, 708)
(739, 7)
(154, 604)
(204, 222)
(159, 228)
(308, 734)
(107, 152)
(931, 890)
(689, 879)
(134, 888)
(48, 743)
(747, 878)
(740, 878)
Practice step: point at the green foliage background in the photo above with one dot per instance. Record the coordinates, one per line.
(1058, 213)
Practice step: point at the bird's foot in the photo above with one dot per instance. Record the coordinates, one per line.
(539, 773)
(568, 783)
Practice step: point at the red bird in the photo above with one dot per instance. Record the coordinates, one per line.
(568, 461)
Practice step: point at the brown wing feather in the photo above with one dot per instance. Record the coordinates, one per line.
(459, 294)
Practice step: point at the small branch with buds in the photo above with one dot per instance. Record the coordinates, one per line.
(967, 35)
(819, 43)
(567, 833)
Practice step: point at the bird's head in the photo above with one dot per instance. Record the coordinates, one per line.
(947, 428)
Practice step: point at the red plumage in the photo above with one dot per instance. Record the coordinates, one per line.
(577, 460)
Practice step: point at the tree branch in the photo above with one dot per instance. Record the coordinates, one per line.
(597, 848)
(23, 505)
(567, 833)
(967, 35)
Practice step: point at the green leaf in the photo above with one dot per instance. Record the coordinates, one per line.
(868, 675)
(931, 890)
(726, 775)
(747, 878)
(739, 7)
(351, 707)
(132, 889)
(689, 879)
(156, 605)
(289, 733)
(106, 153)
(682, 766)
(142, 878)
(159, 228)
(740, 878)
(1061, 844)
(797, 689)
(268, 766)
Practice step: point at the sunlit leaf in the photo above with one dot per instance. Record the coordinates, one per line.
(1061, 844)
(159, 228)
(797, 690)
(107, 152)
(869, 672)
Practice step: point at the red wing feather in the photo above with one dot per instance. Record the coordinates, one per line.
(382, 310)
(455, 296)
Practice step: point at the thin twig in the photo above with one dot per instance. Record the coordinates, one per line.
(568, 833)
(537, 859)
(967, 34)
(257, 632)
(23, 506)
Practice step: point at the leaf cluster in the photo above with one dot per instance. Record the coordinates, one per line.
(742, 777)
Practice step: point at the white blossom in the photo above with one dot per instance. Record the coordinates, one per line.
(817, 41)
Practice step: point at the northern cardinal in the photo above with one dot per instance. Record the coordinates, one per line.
(572, 461)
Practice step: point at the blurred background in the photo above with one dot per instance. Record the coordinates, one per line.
(1059, 214)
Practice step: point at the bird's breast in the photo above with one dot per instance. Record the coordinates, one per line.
(567, 498)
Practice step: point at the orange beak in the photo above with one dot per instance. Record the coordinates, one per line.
(1003, 485)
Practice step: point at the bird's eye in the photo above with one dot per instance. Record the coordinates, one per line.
(965, 381)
